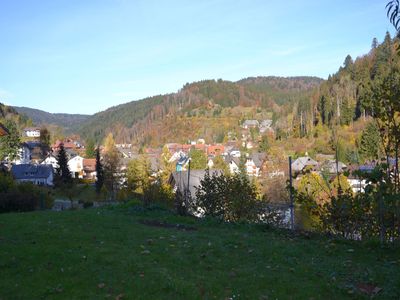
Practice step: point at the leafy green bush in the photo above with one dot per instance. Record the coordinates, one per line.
(231, 198)
(372, 214)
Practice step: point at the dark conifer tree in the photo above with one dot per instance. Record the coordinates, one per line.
(99, 172)
(63, 172)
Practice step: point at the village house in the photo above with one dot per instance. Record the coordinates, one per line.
(254, 164)
(75, 165)
(247, 124)
(214, 150)
(68, 144)
(265, 125)
(32, 132)
(51, 159)
(89, 168)
(331, 167)
(233, 163)
(36, 174)
(179, 180)
(31, 152)
(304, 163)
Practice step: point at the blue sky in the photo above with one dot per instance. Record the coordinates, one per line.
(85, 56)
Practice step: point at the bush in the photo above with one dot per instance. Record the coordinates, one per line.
(17, 201)
(373, 214)
(23, 196)
(231, 198)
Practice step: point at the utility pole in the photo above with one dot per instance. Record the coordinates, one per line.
(188, 189)
(291, 195)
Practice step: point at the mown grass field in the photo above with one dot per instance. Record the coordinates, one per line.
(131, 253)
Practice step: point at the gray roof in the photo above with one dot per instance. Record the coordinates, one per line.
(28, 171)
(180, 179)
(330, 166)
(302, 162)
(250, 123)
(32, 144)
(258, 158)
(230, 158)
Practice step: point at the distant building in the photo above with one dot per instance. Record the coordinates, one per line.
(75, 165)
(214, 150)
(31, 152)
(68, 145)
(331, 167)
(179, 180)
(37, 174)
(89, 168)
(303, 163)
(250, 124)
(233, 163)
(51, 159)
(32, 132)
(265, 125)
(254, 164)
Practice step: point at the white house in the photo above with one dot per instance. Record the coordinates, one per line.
(29, 151)
(75, 165)
(357, 185)
(33, 132)
(265, 125)
(50, 160)
(254, 164)
(37, 174)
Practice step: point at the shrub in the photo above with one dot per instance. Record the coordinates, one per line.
(375, 213)
(231, 198)
(23, 196)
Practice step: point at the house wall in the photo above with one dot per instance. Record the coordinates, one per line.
(38, 181)
(252, 169)
(32, 133)
(233, 168)
(75, 165)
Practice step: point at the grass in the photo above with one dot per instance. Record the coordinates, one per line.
(121, 253)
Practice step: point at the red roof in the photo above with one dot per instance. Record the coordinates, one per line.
(89, 164)
(215, 149)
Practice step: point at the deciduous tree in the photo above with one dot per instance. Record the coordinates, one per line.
(9, 144)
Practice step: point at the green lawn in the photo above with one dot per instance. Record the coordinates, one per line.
(121, 253)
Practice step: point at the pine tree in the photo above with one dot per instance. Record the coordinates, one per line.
(374, 44)
(348, 62)
(63, 172)
(99, 172)
(370, 142)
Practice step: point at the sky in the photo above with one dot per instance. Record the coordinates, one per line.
(77, 56)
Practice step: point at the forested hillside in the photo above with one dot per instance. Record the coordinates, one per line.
(69, 122)
(340, 109)
(205, 108)
(8, 115)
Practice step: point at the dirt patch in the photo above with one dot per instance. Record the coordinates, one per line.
(155, 223)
